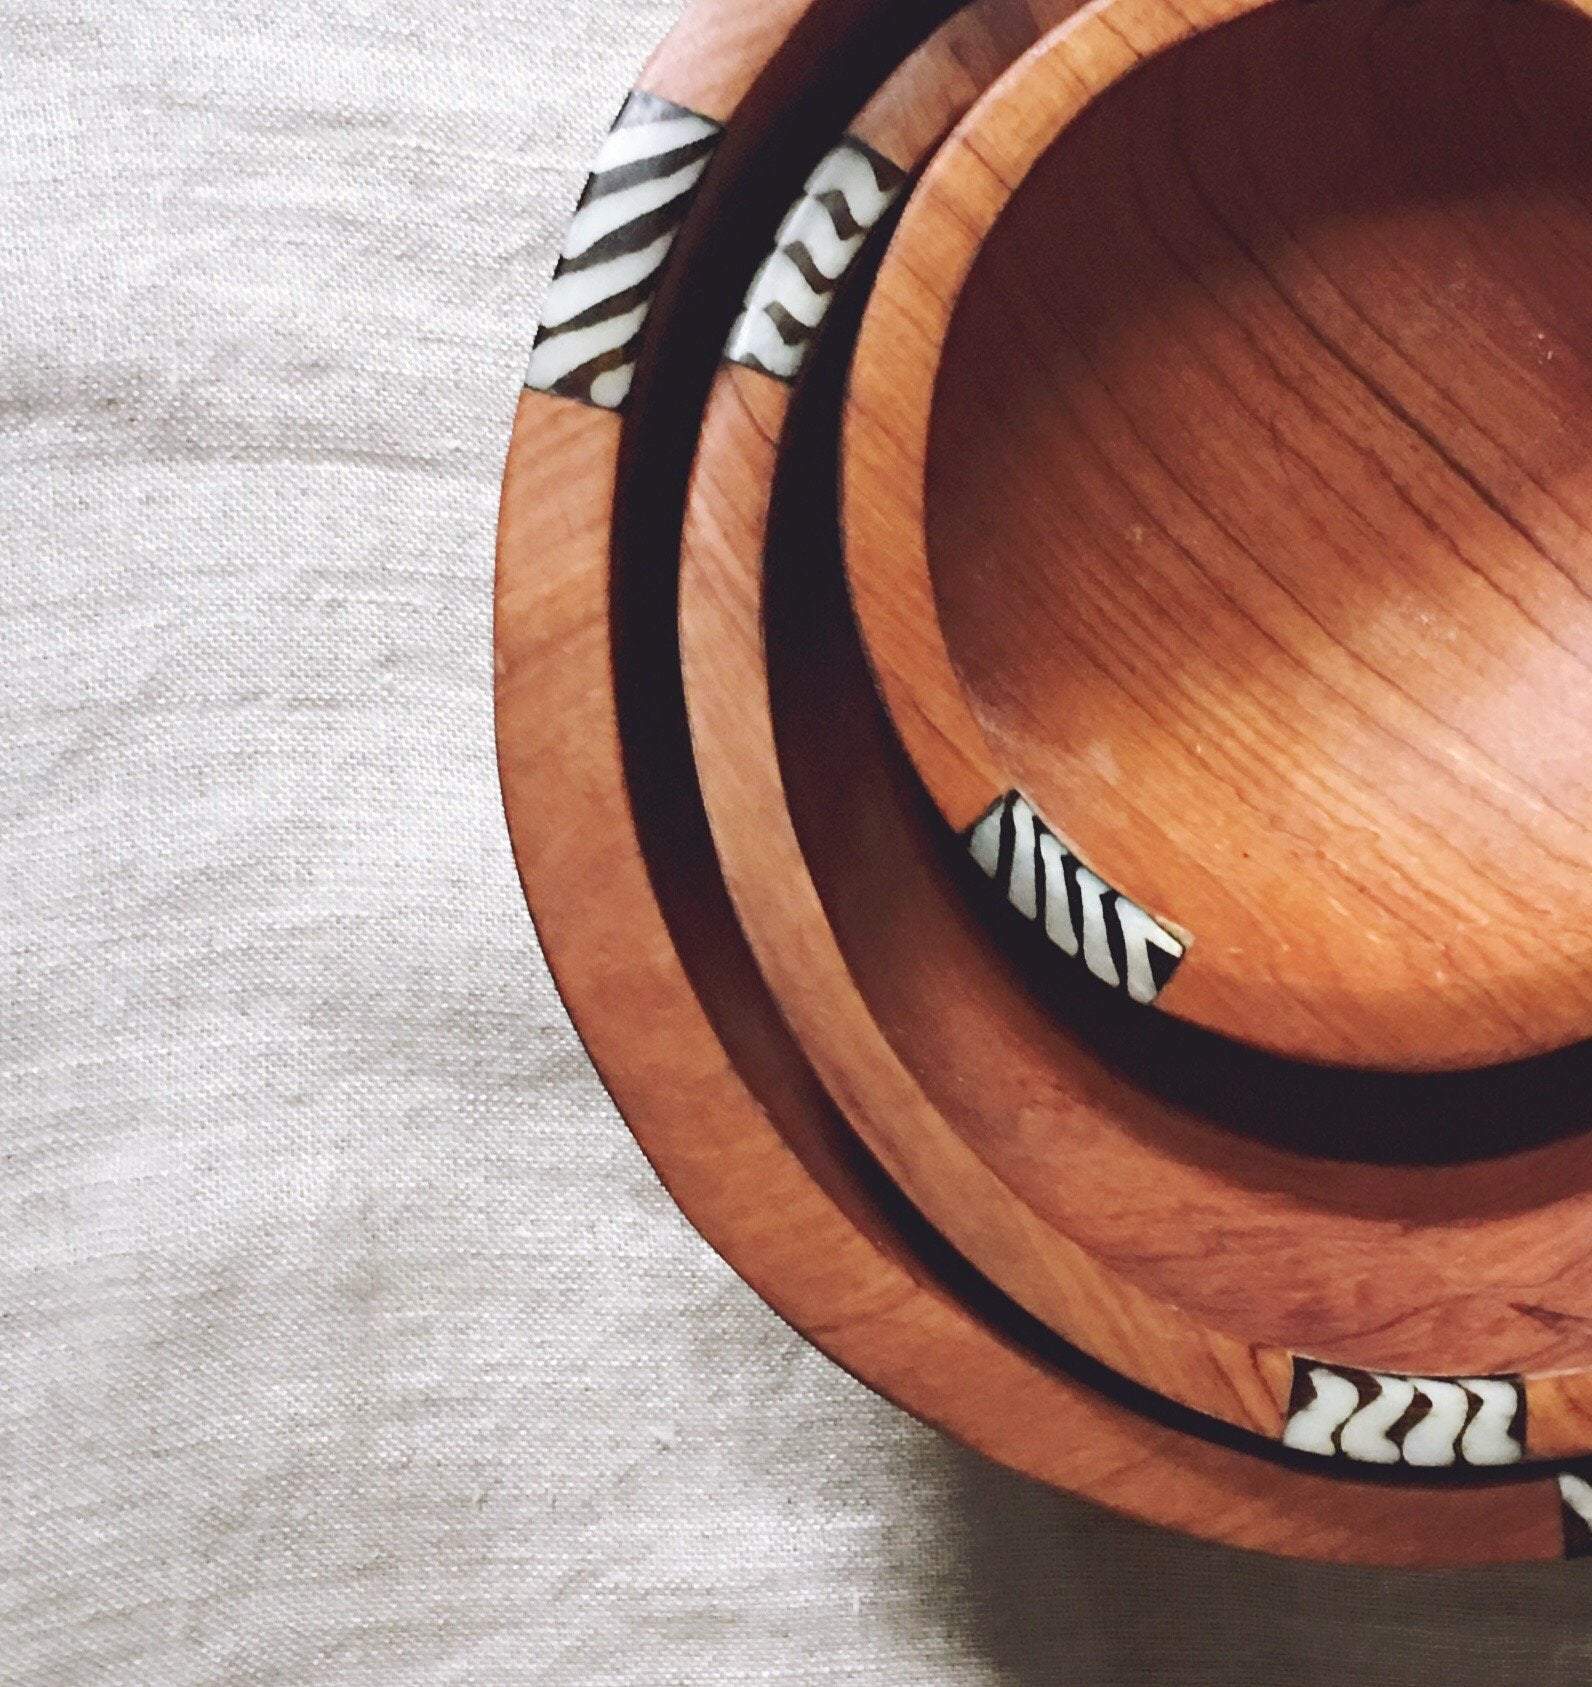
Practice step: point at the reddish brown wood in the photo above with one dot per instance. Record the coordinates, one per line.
(714, 56)
(1088, 1193)
(1073, 1291)
(1255, 549)
(773, 1181)
(750, 1149)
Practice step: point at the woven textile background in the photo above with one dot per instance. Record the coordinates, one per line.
(345, 1337)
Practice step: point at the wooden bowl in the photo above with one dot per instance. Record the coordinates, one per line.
(1214, 491)
(1065, 1162)
(718, 1094)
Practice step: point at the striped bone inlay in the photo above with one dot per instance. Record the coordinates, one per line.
(845, 197)
(1078, 911)
(1575, 1502)
(1424, 1422)
(635, 200)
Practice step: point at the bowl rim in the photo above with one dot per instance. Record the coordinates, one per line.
(885, 467)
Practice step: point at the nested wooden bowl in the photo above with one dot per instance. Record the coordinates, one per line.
(1159, 1198)
(1217, 490)
(606, 828)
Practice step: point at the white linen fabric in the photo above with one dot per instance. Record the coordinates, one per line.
(345, 1337)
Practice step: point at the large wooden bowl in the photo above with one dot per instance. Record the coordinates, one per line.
(608, 833)
(1216, 481)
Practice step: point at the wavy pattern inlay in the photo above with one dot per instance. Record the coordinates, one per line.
(1424, 1422)
(845, 197)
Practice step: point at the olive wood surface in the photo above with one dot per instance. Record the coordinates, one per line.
(721, 1100)
(1059, 1173)
(1215, 478)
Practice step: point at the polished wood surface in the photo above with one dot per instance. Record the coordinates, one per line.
(722, 1101)
(1075, 1292)
(1058, 1172)
(1029, 1127)
(749, 1146)
(1254, 550)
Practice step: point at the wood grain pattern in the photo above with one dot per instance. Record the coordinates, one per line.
(730, 1114)
(1256, 550)
(750, 1148)
(1018, 1140)
(1001, 1127)
(1070, 1290)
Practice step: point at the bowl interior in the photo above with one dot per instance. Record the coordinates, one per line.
(1259, 514)
(1411, 1222)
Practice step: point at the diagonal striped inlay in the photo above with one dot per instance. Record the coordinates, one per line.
(1079, 912)
(1575, 1502)
(635, 200)
(1428, 1423)
(844, 199)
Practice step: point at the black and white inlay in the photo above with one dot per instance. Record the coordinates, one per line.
(1575, 1500)
(1078, 911)
(1425, 1422)
(632, 208)
(822, 233)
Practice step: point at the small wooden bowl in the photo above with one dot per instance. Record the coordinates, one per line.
(1215, 488)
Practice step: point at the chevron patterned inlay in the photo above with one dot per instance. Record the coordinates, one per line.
(1079, 912)
(635, 200)
(822, 233)
(1425, 1422)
